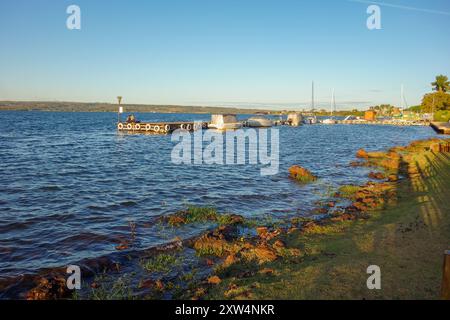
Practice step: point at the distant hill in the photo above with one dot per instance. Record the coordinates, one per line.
(108, 107)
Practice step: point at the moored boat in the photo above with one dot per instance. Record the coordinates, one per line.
(331, 120)
(224, 122)
(259, 121)
(295, 119)
(310, 120)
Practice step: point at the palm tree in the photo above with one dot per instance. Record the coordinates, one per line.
(441, 84)
(119, 98)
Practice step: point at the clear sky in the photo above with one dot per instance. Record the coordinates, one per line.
(222, 52)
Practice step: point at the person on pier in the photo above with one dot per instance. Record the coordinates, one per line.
(131, 119)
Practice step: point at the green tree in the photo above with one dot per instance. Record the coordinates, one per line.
(383, 109)
(436, 101)
(441, 84)
(415, 108)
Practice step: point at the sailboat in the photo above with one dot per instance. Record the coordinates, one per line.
(333, 106)
(313, 119)
(404, 103)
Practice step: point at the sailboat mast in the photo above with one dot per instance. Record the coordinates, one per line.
(401, 98)
(312, 97)
(333, 102)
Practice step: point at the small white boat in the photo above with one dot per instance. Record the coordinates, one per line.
(310, 120)
(333, 106)
(295, 119)
(259, 121)
(224, 122)
(329, 121)
(350, 117)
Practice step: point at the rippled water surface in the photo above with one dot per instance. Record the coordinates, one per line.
(70, 184)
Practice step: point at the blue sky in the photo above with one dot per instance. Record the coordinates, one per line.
(255, 53)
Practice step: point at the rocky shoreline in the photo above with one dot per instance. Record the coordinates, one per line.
(236, 247)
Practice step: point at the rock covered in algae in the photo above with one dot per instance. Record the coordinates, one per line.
(362, 154)
(301, 174)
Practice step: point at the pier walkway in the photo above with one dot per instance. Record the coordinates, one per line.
(441, 127)
(160, 127)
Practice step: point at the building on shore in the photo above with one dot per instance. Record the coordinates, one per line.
(411, 116)
(370, 115)
(396, 112)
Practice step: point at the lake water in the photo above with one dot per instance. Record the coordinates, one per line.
(71, 184)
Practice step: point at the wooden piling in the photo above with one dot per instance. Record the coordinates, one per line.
(446, 277)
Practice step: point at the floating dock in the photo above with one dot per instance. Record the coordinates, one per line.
(160, 127)
(169, 127)
(441, 127)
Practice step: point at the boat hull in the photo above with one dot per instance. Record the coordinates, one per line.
(310, 120)
(226, 126)
(259, 123)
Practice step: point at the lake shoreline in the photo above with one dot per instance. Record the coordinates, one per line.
(405, 234)
(233, 265)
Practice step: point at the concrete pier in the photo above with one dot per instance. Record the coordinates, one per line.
(441, 127)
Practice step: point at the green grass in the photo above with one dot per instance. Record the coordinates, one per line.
(407, 241)
(200, 214)
(210, 252)
(161, 263)
(194, 214)
(442, 116)
(305, 179)
(348, 191)
(224, 219)
(119, 289)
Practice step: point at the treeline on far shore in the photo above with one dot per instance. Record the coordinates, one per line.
(109, 107)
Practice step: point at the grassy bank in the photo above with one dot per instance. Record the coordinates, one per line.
(406, 239)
